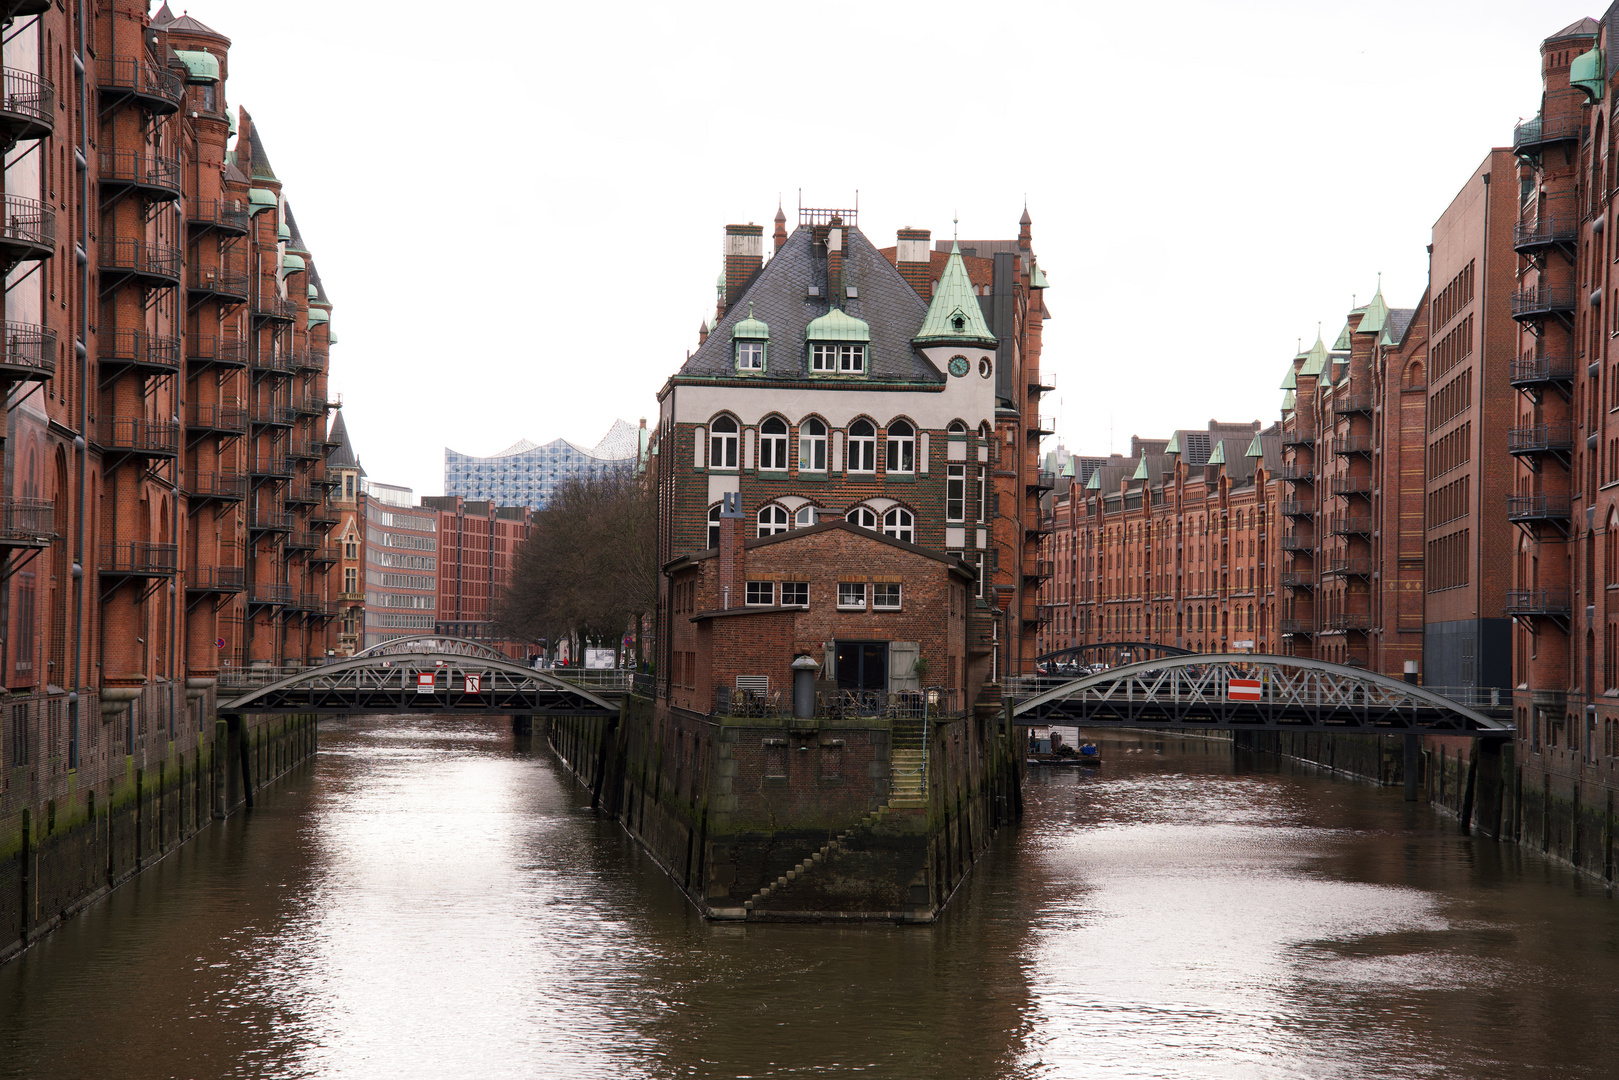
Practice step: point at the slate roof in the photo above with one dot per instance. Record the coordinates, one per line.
(261, 159)
(1586, 27)
(981, 271)
(342, 455)
(779, 296)
(1400, 321)
(296, 241)
(320, 290)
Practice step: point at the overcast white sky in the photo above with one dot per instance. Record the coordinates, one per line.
(518, 215)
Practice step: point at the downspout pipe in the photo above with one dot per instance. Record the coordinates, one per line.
(1478, 452)
(82, 355)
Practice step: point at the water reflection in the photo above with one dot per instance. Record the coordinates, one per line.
(435, 899)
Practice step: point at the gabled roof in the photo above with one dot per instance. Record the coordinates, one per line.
(953, 562)
(1290, 381)
(295, 240)
(954, 315)
(1218, 457)
(779, 295)
(185, 24)
(1315, 361)
(1376, 317)
(261, 158)
(1400, 320)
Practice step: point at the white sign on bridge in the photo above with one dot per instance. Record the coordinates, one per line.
(424, 682)
(474, 684)
(1244, 690)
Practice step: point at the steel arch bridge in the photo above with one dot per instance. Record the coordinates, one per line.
(422, 682)
(434, 643)
(1110, 651)
(1255, 692)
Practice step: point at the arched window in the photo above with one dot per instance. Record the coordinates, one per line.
(957, 427)
(773, 444)
(805, 516)
(812, 446)
(900, 524)
(901, 447)
(772, 520)
(862, 447)
(714, 526)
(722, 436)
(863, 516)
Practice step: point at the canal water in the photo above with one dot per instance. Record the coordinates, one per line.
(436, 899)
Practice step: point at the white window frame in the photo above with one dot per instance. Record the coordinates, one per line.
(863, 516)
(901, 447)
(773, 445)
(714, 526)
(805, 516)
(983, 486)
(774, 519)
(812, 446)
(723, 445)
(900, 524)
(823, 357)
(882, 587)
(759, 594)
(845, 592)
(800, 594)
(862, 448)
(750, 355)
(955, 493)
(852, 359)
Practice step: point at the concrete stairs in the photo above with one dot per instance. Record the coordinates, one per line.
(907, 757)
(827, 850)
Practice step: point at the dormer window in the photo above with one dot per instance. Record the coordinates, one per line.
(750, 356)
(749, 338)
(838, 359)
(837, 344)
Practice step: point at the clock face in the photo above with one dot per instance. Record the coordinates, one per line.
(959, 366)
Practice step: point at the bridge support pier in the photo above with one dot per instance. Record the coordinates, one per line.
(1413, 756)
(522, 725)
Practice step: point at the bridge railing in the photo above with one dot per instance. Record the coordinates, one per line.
(251, 678)
(1476, 697)
(935, 702)
(611, 680)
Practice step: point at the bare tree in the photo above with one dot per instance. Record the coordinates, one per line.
(589, 565)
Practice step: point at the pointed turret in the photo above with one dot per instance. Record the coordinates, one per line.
(1377, 314)
(1315, 361)
(780, 235)
(954, 316)
(341, 456)
(1025, 239)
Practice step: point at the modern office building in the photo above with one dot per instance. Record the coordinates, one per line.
(477, 547)
(401, 564)
(526, 474)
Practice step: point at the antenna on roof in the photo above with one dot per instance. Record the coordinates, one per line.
(955, 226)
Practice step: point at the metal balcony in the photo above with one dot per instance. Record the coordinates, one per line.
(205, 487)
(27, 231)
(1531, 137)
(211, 419)
(16, 9)
(139, 350)
(1538, 508)
(268, 306)
(1549, 228)
(205, 349)
(27, 352)
(149, 175)
(218, 282)
(1037, 570)
(278, 365)
(307, 360)
(1351, 525)
(138, 437)
(153, 87)
(303, 541)
(1344, 445)
(1354, 401)
(309, 495)
(1534, 372)
(308, 406)
(1351, 485)
(1537, 606)
(126, 558)
(1298, 474)
(228, 216)
(1360, 622)
(1293, 580)
(150, 265)
(1296, 627)
(271, 593)
(272, 414)
(325, 554)
(27, 523)
(1042, 426)
(305, 450)
(271, 467)
(27, 106)
(1298, 508)
(1347, 568)
(325, 516)
(1303, 436)
(1298, 542)
(215, 579)
(1535, 441)
(273, 521)
(1540, 302)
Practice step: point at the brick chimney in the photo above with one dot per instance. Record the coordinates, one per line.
(744, 255)
(732, 568)
(835, 241)
(914, 260)
(780, 235)
(702, 331)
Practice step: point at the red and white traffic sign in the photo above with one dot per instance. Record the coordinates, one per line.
(424, 682)
(1243, 689)
(474, 684)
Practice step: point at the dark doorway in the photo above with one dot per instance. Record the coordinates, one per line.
(862, 665)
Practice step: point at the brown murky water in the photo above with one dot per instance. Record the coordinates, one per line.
(432, 900)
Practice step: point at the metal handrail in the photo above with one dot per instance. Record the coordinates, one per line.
(1539, 299)
(270, 521)
(139, 167)
(139, 257)
(1353, 444)
(272, 465)
(1538, 601)
(1298, 542)
(29, 347)
(140, 347)
(215, 485)
(221, 349)
(140, 76)
(139, 557)
(1350, 524)
(1559, 436)
(270, 412)
(216, 578)
(27, 221)
(27, 519)
(139, 434)
(1349, 621)
(270, 593)
(270, 306)
(1352, 485)
(1538, 505)
(1298, 508)
(218, 212)
(207, 416)
(1533, 369)
(1348, 567)
(1359, 401)
(22, 93)
(218, 279)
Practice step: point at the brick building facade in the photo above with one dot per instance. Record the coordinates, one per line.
(477, 541)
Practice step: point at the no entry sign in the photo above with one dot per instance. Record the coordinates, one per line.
(1242, 689)
(474, 684)
(424, 682)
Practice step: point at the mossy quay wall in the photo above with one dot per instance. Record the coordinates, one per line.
(782, 819)
(148, 778)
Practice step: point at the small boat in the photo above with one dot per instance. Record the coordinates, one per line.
(1050, 749)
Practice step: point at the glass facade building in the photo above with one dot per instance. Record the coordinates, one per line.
(526, 474)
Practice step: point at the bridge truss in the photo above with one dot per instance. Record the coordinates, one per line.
(1253, 692)
(422, 682)
(1110, 652)
(434, 643)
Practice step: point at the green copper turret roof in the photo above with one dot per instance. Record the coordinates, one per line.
(1037, 278)
(1095, 482)
(1289, 402)
(1315, 361)
(1141, 471)
(201, 66)
(317, 316)
(1218, 457)
(1068, 468)
(1376, 317)
(1254, 449)
(750, 327)
(260, 198)
(1290, 381)
(1342, 344)
(1174, 446)
(837, 325)
(954, 315)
